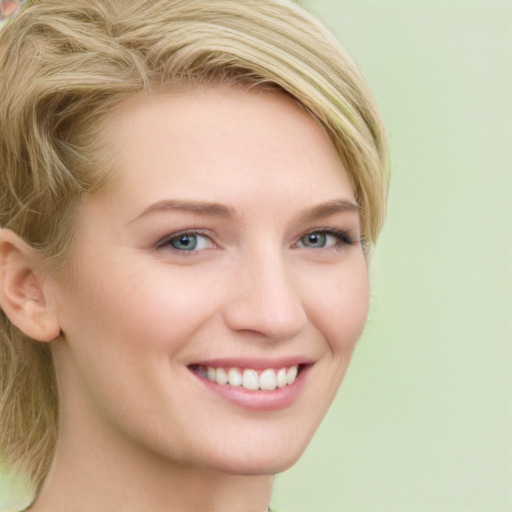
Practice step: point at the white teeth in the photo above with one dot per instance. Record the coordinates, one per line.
(234, 377)
(291, 374)
(220, 376)
(210, 373)
(267, 380)
(250, 380)
(281, 378)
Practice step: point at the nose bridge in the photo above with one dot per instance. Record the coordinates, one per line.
(266, 298)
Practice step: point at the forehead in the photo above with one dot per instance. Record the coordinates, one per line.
(222, 144)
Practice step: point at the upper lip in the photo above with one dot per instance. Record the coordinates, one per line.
(254, 363)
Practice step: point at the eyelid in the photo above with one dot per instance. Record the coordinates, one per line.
(164, 243)
(343, 236)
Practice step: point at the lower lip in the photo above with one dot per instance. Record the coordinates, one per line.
(260, 400)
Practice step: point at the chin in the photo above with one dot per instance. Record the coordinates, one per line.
(269, 460)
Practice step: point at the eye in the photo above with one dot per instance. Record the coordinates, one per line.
(187, 242)
(317, 240)
(324, 239)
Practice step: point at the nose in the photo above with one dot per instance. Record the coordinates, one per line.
(265, 299)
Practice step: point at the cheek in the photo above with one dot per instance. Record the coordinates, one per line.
(340, 307)
(123, 327)
(137, 308)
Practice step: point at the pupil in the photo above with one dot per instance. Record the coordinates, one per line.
(185, 242)
(315, 240)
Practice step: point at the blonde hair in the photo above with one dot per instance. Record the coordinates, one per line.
(66, 65)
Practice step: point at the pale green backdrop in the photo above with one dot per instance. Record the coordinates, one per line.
(423, 422)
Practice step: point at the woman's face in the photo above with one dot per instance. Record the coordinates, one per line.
(228, 248)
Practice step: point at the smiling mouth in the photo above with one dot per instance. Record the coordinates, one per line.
(250, 379)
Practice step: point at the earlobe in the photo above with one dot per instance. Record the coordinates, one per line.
(22, 292)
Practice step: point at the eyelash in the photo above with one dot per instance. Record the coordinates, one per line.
(343, 238)
(166, 241)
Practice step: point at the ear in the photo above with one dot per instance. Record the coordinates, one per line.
(23, 296)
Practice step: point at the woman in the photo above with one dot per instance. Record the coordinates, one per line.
(189, 195)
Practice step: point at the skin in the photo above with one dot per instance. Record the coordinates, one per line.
(138, 429)
(9, 8)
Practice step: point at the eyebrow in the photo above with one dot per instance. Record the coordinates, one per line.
(330, 208)
(326, 209)
(200, 207)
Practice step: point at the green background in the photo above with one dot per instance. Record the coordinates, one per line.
(423, 420)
